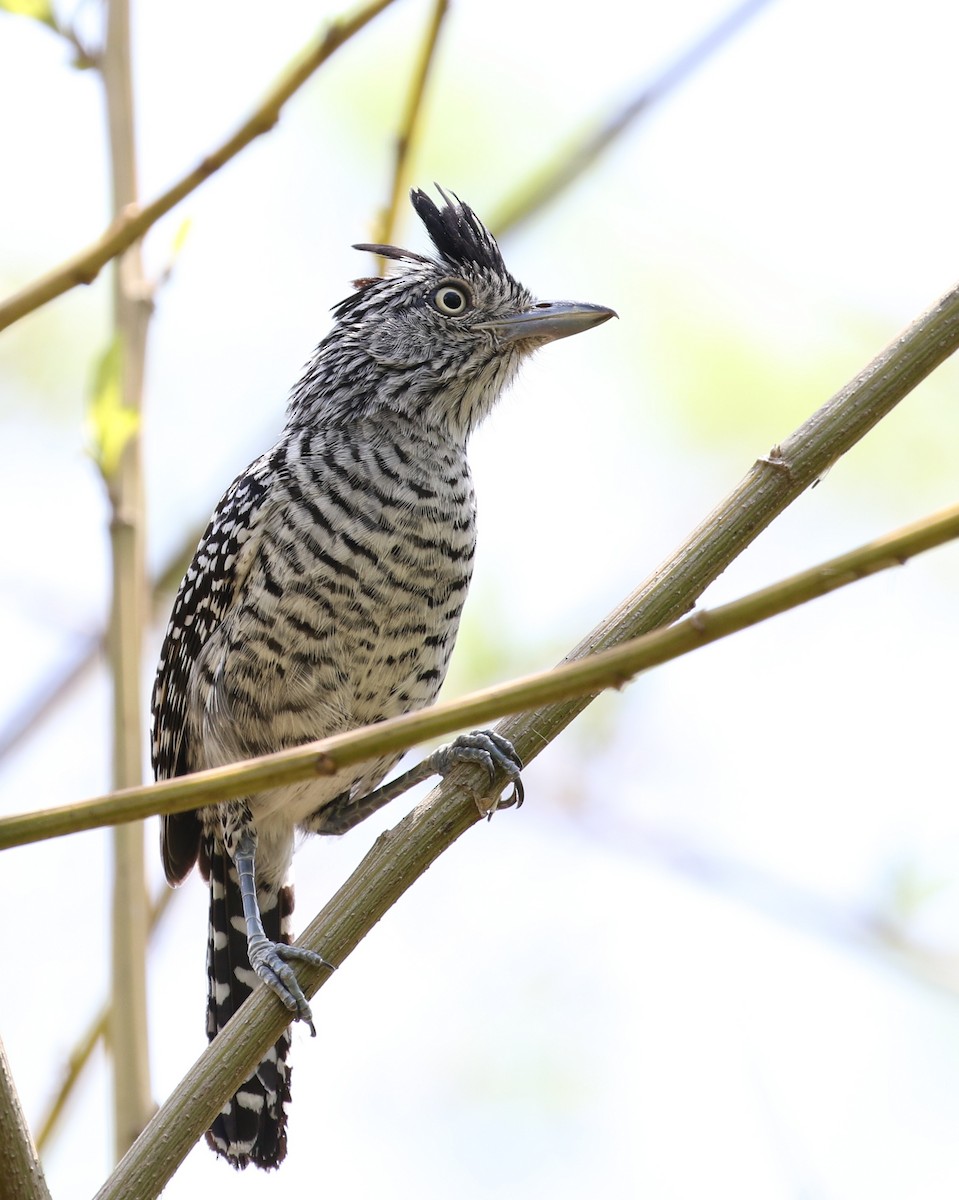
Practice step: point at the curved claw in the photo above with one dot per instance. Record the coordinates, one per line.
(514, 800)
(492, 751)
(270, 961)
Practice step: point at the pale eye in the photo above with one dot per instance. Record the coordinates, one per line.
(452, 299)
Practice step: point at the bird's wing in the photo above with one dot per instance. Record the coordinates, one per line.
(210, 588)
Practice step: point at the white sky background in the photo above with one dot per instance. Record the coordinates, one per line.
(652, 981)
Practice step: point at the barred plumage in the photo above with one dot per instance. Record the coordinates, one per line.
(326, 593)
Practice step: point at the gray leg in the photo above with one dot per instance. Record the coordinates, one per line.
(484, 746)
(270, 960)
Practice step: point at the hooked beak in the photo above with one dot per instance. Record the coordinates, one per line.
(548, 322)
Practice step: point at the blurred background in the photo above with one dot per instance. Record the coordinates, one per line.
(717, 952)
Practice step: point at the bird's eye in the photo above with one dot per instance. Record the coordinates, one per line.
(451, 299)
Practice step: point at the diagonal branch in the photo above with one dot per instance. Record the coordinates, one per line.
(402, 854)
(21, 1175)
(398, 858)
(575, 681)
(87, 1042)
(57, 686)
(772, 484)
(544, 185)
(134, 221)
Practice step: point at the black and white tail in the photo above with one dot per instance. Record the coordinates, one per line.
(251, 1127)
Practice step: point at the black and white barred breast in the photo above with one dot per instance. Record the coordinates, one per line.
(347, 555)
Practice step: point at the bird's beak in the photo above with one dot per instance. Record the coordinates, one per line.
(548, 322)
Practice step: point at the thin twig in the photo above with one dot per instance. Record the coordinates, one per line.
(88, 1041)
(21, 1176)
(572, 684)
(869, 930)
(133, 222)
(47, 694)
(543, 186)
(408, 129)
(44, 698)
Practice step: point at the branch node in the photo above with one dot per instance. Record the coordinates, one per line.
(778, 461)
(323, 764)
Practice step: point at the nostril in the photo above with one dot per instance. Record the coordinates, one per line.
(544, 304)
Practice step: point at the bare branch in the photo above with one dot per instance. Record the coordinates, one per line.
(65, 676)
(20, 1169)
(865, 929)
(87, 1042)
(397, 859)
(386, 228)
(769, 487)
(401, 855)
(543, 186)
(123, 475)
(394, 863)
(134, 221)
(569, 686)
(772, 484)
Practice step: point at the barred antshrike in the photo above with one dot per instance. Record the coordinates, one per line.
(326, 594)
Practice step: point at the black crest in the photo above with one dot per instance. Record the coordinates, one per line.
(459, 236)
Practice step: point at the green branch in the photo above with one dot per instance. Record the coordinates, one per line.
(673, 588)
(21, 1175)
(544, 185)
(97, 1029)
(397, 859)
(134, 221)
(575, 680)
(402, 854)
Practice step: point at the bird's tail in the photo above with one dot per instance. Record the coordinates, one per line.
(251, 1127)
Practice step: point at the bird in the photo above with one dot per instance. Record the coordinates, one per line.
(326, 593)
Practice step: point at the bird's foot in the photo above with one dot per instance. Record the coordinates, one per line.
(491, 751)
(271, 962)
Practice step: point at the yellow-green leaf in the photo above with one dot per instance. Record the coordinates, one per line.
(111, 423)
(39, 10)
(179, 238)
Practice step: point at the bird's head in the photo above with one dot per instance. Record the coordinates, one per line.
(438, 340)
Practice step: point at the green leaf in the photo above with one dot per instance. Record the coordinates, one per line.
(110, 422)
(39, 10)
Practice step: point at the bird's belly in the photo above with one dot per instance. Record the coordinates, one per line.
(320, 668)
(343, 623)
(379, 678)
